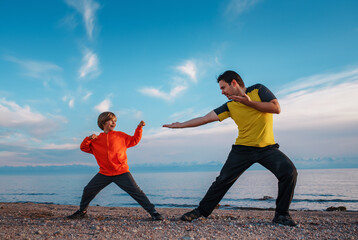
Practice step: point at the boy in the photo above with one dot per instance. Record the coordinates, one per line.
(109, 149)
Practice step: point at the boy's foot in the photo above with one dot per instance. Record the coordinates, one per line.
(156, 216)
(284, 220)
(78, 215)
(190, 216)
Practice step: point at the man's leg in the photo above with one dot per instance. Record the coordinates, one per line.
(237, 162)
(126, 182)
(98, 182)
(285, 171)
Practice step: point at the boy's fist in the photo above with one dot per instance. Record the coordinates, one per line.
(141, 124)
(93, 136)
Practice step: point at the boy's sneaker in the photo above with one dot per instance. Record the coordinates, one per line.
(78, 215)
(190, 216)
(284, 220)
(156, 216)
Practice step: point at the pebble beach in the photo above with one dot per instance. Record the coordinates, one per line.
(48, 221)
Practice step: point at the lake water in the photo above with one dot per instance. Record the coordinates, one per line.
(315, 189)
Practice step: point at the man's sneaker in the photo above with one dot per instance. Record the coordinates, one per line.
(156, 216)
(189, 216)
(284, 220)
(78, 215)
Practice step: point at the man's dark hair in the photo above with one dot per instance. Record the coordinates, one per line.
(229, 75)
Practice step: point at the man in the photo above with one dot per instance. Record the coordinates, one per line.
(251, 108)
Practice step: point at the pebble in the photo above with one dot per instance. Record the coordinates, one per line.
(120, 223)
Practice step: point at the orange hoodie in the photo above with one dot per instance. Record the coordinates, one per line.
(110, 150)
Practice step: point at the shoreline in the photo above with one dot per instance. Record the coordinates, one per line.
(219, 207)
(48, 221)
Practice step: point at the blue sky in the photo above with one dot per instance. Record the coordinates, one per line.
(63, 62)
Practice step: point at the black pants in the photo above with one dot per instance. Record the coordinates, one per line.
(238, 161)
(125, 181)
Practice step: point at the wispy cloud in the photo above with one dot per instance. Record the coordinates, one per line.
(66, 146)
(190, 69)
(69, 100)
(87, 8)
(87, 96)
(179, 85)
(318, 81)
(321, 101)
(45, 71)
(237, 7)
(132, 113)
(168, 96)
(104, 105)
(15, 117)
(90, 65)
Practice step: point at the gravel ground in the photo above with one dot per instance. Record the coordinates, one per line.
(47, 221)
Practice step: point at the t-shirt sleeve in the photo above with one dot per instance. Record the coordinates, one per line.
(265, 94)
(222, 112)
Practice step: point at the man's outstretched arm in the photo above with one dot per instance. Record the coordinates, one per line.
(210, 117)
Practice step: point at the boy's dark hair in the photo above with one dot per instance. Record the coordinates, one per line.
(104, 117)
(229, 75)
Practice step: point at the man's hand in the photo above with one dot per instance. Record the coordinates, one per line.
(141, 124)
(267, 107)
(241, 99)
(173, 125)
(93, 136)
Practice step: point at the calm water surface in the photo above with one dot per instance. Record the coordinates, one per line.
(315, 190)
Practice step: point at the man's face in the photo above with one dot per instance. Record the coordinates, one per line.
(227, 89)
(109, 125)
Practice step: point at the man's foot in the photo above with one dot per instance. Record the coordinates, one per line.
(78, 215)
(284, 220)
(190, 216)
(156, 216)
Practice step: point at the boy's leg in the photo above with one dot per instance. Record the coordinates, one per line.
(98, 182)
(126, 182)
(237, 162)
(285, 171)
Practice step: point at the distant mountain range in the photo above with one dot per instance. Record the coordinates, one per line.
(323, 163)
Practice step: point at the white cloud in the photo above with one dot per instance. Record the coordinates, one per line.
(70, 101)
(237, 7)
(320, 101)
(171, 95)
(15, 117)
(103, 106)
(87, 96)
(67, 146)
(179, 85)
(320, 80)
(87, 8)
(45, 71)
(90, 65)
(190, 69)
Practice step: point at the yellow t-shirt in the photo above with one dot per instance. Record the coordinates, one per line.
(255, 127)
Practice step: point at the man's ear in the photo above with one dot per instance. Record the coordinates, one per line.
(234, 83)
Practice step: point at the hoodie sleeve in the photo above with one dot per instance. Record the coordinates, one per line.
(86, 145)
(134, 140)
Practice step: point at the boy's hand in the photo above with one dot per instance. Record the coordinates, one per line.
(141, 124)
(93, 136)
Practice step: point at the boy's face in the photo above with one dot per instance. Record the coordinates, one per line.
(109, 125)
